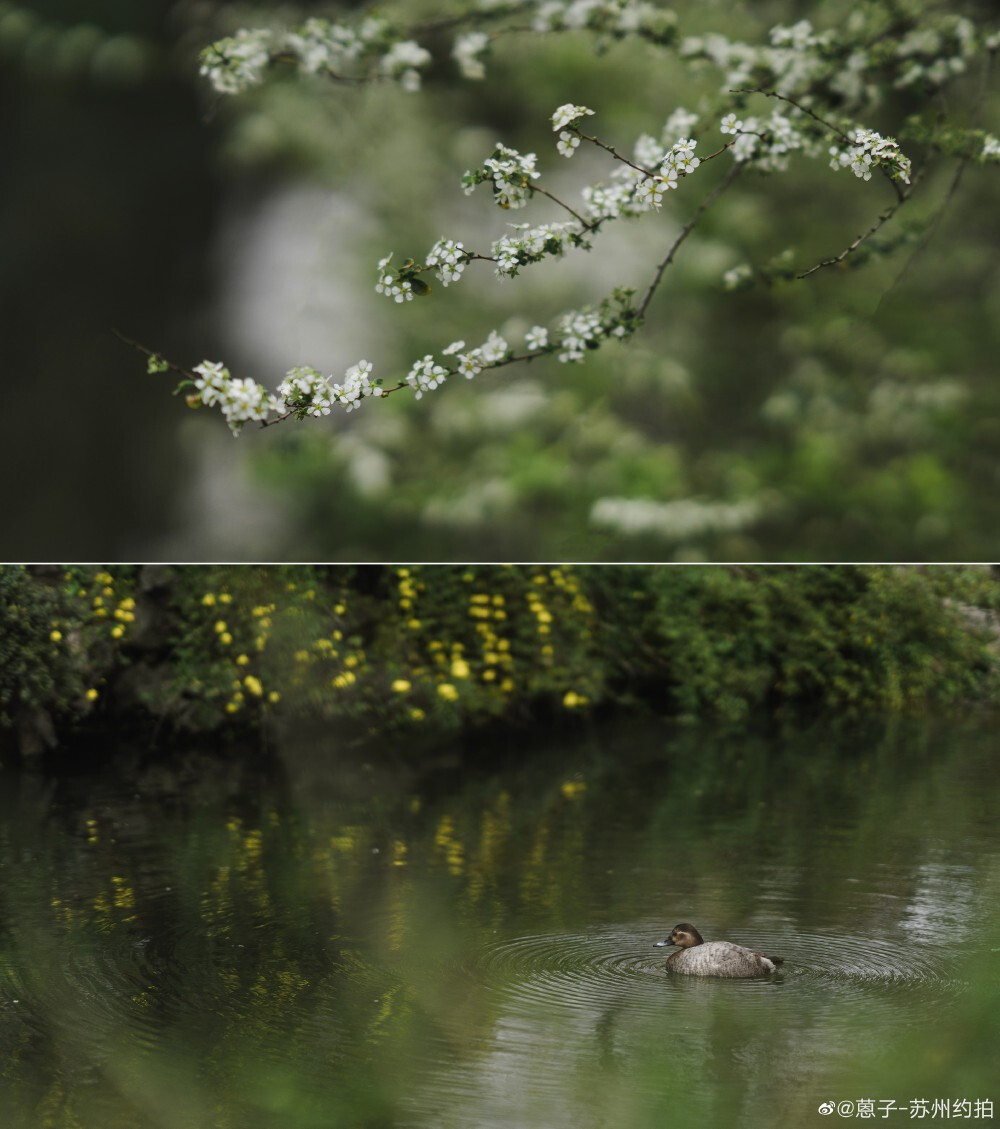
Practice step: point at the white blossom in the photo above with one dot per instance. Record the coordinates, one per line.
(402, 60)
(451, 259)
(568, 143)
(357, 386)
(991, 148)
(468, 52)
(567, 114)
(537, 337)
(731, 124)
(425, 375)
(213, 377)
(870, 150)
(308, 387)
(238, 61)
(495, 349)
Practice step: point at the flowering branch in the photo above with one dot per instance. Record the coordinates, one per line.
(801, 68)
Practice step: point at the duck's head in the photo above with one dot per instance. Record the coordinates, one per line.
(684, 935)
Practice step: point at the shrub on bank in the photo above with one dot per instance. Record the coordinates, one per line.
(453, 646)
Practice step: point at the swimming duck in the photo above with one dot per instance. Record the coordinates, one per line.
(697, 957)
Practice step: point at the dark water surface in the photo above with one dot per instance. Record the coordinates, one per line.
(313, 939)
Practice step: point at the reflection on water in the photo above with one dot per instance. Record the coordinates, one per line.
(317, 940)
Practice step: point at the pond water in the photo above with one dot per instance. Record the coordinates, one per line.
(320, 935)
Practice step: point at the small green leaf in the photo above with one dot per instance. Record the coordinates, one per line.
(156, 363)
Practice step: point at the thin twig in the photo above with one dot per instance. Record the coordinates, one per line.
(685, 231)
(186, 373)
(956, 180)
(555, 200)
(882, 219)
(798, 105)
(613, 151)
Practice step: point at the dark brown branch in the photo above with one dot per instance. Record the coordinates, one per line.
(685, 231)
(882, 219)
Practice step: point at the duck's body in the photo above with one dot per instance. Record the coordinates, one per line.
(697, 957)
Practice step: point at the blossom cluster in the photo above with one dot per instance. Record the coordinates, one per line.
(678, 161)
(308, 389)
(469, 52)
(870, 150)
(304, 392)
(612, 17)
(679, 520)
(857, 62)
(396, 287)
(238, 61)
(372, 49)
(510, 173)
(532, 244)
(450, 258)
(564, 117)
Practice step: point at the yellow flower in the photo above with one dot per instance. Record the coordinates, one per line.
(448, 692)
(117, 631)
(208, 600)
(220, 626)
(242, 660)
(98, 601)
(572, 699)
(301, 656)
(100, 613)
(274, 696)
(128, 603)
(460, 669)
(414, 625)
(507, 686)
(225, 598)
(225, 638)
(489, 675)
(92, 695)
(107, 591)
(417, 714)
(350, 660)
(253, 685)
(401, 686)
(339, 609)
(232, 707)
(55, 636)
(103, 578)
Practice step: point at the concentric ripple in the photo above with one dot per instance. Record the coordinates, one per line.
(617, 964)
